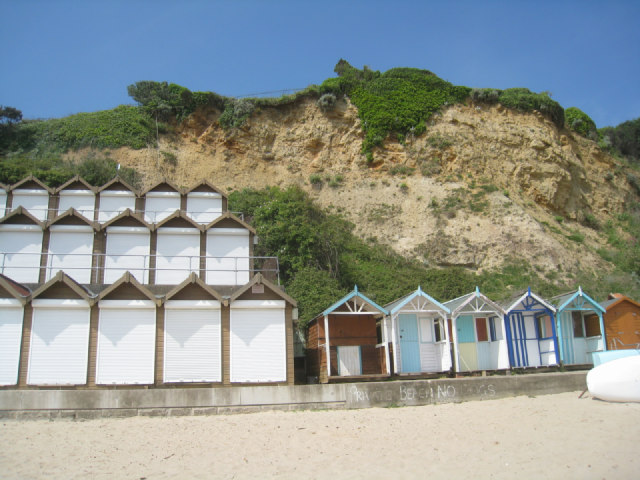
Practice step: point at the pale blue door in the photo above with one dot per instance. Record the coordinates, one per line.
(409, 342)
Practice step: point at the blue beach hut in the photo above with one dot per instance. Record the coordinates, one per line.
(579, 336)
(531, 331)
(419, 334)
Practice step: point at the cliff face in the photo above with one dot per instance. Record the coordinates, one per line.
(482, 185)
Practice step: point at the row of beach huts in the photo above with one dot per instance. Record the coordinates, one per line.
(104, 287)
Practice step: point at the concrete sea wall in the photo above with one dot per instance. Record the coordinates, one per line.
(89, 404)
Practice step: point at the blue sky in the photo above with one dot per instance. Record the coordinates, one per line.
(63, 57)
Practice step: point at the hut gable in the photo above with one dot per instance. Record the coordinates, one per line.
(31, 183)
(474, 303)
(117, 184)
(259, 288)
(127, 288)
(527, 301)
(62, 286)
(127, 219)
(163, 185)
(229, 220)
(12, 289)
(418, 301)
(76, 183)
(21, 216)
(576, 300)
(204, 186)
(193, 288)
(72, 217)
(178, 219)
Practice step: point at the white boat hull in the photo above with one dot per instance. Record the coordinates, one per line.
(616, 381)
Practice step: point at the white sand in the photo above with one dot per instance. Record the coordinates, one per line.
(551, 436)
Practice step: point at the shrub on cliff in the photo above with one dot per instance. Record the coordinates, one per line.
(581, 123)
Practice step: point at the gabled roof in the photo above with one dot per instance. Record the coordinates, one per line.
(115, 181)
(226, 216)
(127, 214)
(72, 213)
(163, 185)
(74, 183)
(205, 186)
(193, 279)
(259, 279)
(31, 182)
(519, 297)
(21, 211)
(365, 304)
(419, 294)
(4, 187)
(17, 290)
(62, 277)
(474, 302)
(179, 215)
(127, 278)
(576, 298)
(607, 304)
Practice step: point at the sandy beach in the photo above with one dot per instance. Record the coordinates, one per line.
(550, 436)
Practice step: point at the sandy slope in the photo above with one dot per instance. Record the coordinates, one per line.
(552, 436)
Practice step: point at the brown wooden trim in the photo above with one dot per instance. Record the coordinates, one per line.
(44, 256)
(54, 202)
(25, 345)
(159, 360)
(288, 318)
(153, 248)
(92, 360)
(225, 318)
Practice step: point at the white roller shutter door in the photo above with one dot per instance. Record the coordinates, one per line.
(204, 207)
(70, 250)
(83, 201)
(227, 256)
(20, 249)
(192, 341)
(126, 342)
(59, 349)
(258, 341)
(35, 201)
(177, 254)
(114, 202)
(11, 315)
(159, 205)
(127, 249)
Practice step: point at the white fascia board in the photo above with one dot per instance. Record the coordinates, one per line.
(192, 304)
(260, 304)
(71, 228)
(13, 227)
(228, 231)
(65, 303)
(116, 230)
(128, 304)
(178, 231)
(204, 195)
(10, 302)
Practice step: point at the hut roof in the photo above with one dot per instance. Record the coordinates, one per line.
(399, 304)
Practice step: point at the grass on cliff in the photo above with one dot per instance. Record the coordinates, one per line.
(321, 259)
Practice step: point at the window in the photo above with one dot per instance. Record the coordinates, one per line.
(481, 329)
(543, 324)
(438, 330)
(426, 332)
(578, 327)
(379, 332)
(494, 332)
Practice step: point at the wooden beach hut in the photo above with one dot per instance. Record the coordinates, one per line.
(531, 331)
(126, 334)
(621, 322)
(347, 340)
(56, 336)
(77, 194)
(228, 250)
(260, 334)
(192, 334)
(70, 246)
(127, 247)
(13, 298)
(115, 197)
(579, 336)
(419, 335)
(21, 239)
(32, 195)
(479, 339)
(160, 201)
(178, 251)
(205, 202)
